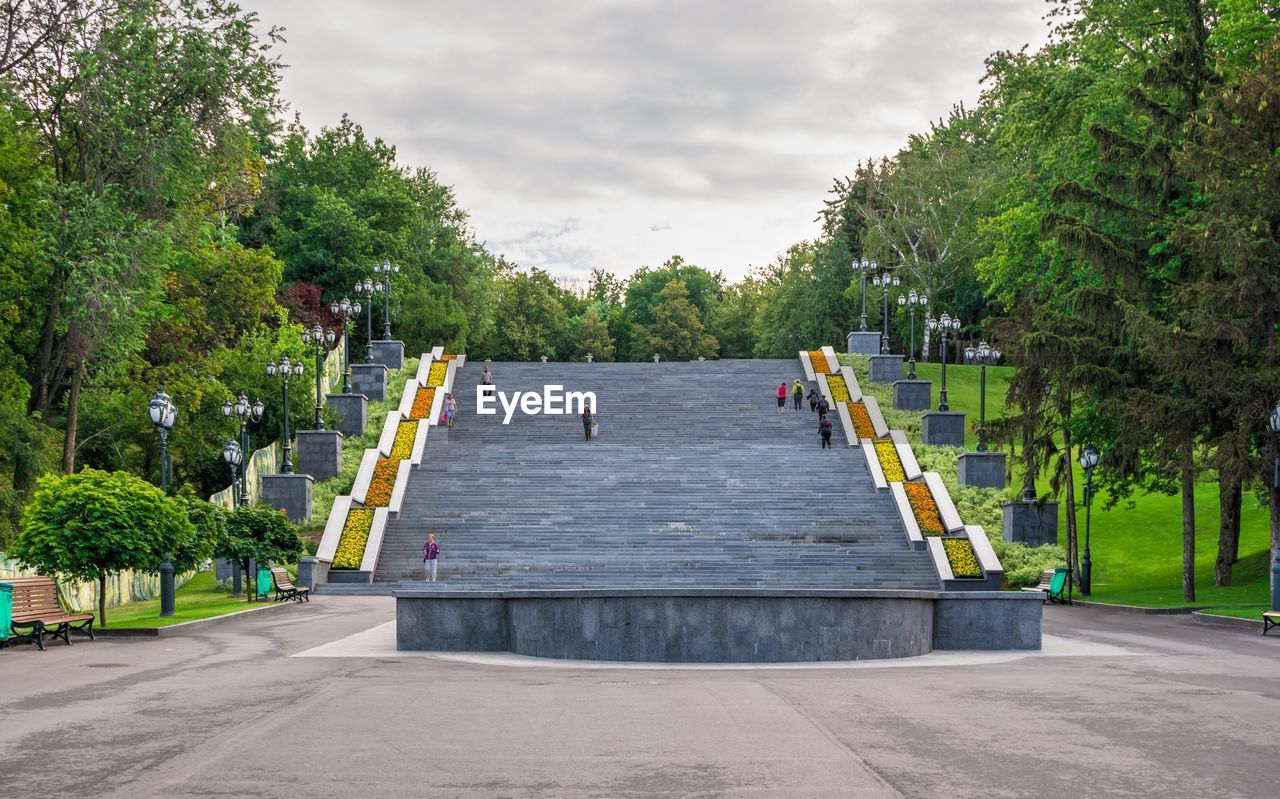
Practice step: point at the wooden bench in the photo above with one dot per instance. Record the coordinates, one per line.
(1054, 583)
(1270, 618)
(285, 589)
(36, 609)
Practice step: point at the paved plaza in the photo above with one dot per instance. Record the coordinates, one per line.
(315, 702)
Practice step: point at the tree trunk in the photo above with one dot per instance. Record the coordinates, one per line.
(1188, 524)
(1228, 528)
(73, 420)
(102, 600)
(1073, 534)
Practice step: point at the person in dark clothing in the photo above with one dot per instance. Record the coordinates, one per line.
(824, 430)
(824, 407)
(587, 422)
(813, 399)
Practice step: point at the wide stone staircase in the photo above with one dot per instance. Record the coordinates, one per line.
(694, 481)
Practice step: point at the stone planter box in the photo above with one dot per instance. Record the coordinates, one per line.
(915, 538)
(910, 467)
(946, 508)
(855, 390)
(364, 475)
(873, 464)
(877, 418)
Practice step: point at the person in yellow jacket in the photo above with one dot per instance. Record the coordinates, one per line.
(797, 393)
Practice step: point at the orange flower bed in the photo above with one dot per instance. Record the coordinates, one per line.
(861, 420)
(925, 508)
(819, 361)
(384, 480)
(422, 402)
(448, 357)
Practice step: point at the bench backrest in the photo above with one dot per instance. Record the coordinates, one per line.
(1056, 584)
(33, 595)
(281, 577)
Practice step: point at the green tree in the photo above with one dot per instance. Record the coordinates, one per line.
(93, 524)
(259, 534)
(592, 337)
(676, 332)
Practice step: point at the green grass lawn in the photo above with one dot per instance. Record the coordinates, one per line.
(1136, 546)
(197, 599)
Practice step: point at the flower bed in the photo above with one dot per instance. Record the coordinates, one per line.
(839, 390)
(402, 446)
(380, 487)
(890, 463)
(422, 402)
(925, 509)
(448, 357)
(355, 533)
(819, 361)
(435, 377)
(861, 420)
(963, 560)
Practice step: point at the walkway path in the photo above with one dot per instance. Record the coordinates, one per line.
(1190, 711)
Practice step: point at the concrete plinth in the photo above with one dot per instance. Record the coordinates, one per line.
(912, 395)
(863, 342)
(353, 411)
(943, 429)
(990, 620)
(369, 379)
(886, 368)
(312, 570)
(290, 493)
(982, 469)
(389, 353)
(319, 453)
(1031, 523)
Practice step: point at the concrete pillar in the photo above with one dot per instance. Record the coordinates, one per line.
(886, 368)
(352, 409)
(913, 395)
(319, 453)
(290, 493)
(943, 429)
(369, 379)
(863, 342)
(982, 469)
(389, 353)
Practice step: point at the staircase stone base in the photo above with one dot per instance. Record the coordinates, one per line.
(290, 493)
(886, 368)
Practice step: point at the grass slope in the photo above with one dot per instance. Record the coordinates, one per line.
(198, 599)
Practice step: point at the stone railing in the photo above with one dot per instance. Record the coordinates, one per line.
(962, 554)
(352, 538)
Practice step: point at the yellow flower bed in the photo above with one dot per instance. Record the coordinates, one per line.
(435, 377)
(839, 390)
(355, 534)
(964, 561)
(861, 420)
(402, 446)
(819, 361)
(890, 463)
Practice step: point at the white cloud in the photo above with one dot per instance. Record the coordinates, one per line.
(568, 127)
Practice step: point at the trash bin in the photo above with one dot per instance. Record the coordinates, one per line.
(264, 581)
(6, 610)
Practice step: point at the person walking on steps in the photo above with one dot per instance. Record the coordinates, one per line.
(782, 397)
(430, 557)
(588, 422)
(486, 377)
(451, 408)
(813, 399)
(824, 407)
(824, 430)
(797, 393)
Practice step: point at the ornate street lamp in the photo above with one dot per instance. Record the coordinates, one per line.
(984, 355)
(1088, 461)
(945, 327)
(163, 415)
(234, 456)
(887, 282)
(369, 290)
(386, 269)
(1275, 552)
(246, 412)
(345, 309)
(863, 268)
(911, 301)
(323, 342)
(285, 370)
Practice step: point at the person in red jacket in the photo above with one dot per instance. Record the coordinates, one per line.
(430, 557)
(782, 397)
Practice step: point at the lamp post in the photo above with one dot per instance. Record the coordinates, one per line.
(863, 268)
(323, 342)
(945, 327)
(163, 415)
(234, 456)
(345, 309)
(911, 301)
(887, 282)
(1275, 482)
(985, 356)
(285, 370)
(246, 412)
(369, 290)
(386, 269)
(1088, 460)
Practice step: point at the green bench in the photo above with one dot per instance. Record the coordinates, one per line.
(1053, 582)
(1270, 618)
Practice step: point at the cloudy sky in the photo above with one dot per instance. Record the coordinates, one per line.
(616, 133)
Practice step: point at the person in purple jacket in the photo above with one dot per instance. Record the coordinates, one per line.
(430, 557)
